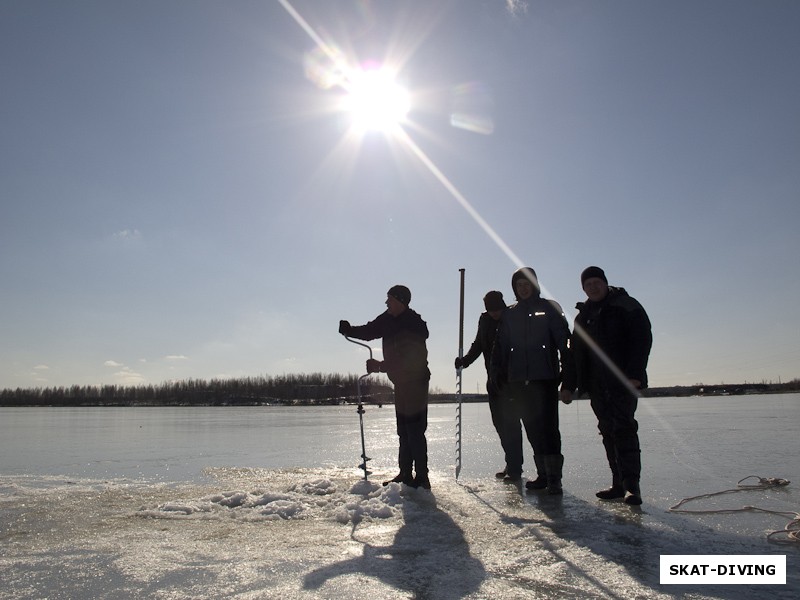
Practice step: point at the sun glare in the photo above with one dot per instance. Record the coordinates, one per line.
(375, 101)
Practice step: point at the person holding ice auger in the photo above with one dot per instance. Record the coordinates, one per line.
(531, 355)
(405, 362)
(612, 342)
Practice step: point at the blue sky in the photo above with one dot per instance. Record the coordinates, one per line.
(182, 199)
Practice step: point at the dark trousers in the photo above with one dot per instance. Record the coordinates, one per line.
(411, 410)
(615, 419)
(535, 404)
(500, 425)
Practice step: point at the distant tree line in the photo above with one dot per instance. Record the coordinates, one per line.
(314, 388)
(296, 390)
(725, 389)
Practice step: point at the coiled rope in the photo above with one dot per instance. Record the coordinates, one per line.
(787, 535)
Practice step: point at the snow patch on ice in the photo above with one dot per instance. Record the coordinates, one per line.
(320, 497)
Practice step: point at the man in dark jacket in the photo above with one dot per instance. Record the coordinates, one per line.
(612, 344)
(531, 355)
(484, 340)
(405, 362)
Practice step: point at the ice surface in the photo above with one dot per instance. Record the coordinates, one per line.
(323, 532)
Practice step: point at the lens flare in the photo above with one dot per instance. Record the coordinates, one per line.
(473, 105)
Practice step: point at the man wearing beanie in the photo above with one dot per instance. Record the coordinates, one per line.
(484, 340)
(531, 355)
(612, 344)
(405, 362)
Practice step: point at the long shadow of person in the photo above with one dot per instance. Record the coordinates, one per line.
(429, 556)
(634, 538)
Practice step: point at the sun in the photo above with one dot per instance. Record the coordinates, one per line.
(375, 101)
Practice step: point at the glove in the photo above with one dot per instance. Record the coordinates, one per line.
(373, 365)
(461, 363)
(345, 327)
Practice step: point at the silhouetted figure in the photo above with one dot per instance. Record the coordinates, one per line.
(618, 325)
(531, 354)
(405, 362)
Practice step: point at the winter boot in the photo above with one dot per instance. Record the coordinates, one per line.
(421, 481)
(632, 494)
(554, 464)
(401, 477)
(616, 490)
(612, 493)
(540, 482)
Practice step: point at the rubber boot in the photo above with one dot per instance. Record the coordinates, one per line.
(554, 464)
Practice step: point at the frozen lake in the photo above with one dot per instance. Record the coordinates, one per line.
(267, 502)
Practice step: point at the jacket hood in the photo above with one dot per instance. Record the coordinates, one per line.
(529, 274)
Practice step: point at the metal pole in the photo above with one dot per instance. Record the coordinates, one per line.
(458, 385)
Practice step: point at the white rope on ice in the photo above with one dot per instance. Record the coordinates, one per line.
(787, 535)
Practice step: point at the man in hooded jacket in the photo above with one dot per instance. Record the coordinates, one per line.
(405, 362)
(531, 355)
(612, 343)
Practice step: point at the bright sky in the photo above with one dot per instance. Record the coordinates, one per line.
(187, 192)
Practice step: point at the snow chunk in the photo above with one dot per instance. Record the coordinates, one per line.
(320, 487)
(282, 509)
(364, 488)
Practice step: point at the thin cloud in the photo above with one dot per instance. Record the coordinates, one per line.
(173, 357)
(517, 7)
(38, 373)
(128, 235)
(113, 364)
(127, 376)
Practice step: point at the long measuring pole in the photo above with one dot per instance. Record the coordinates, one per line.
(458, 385)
